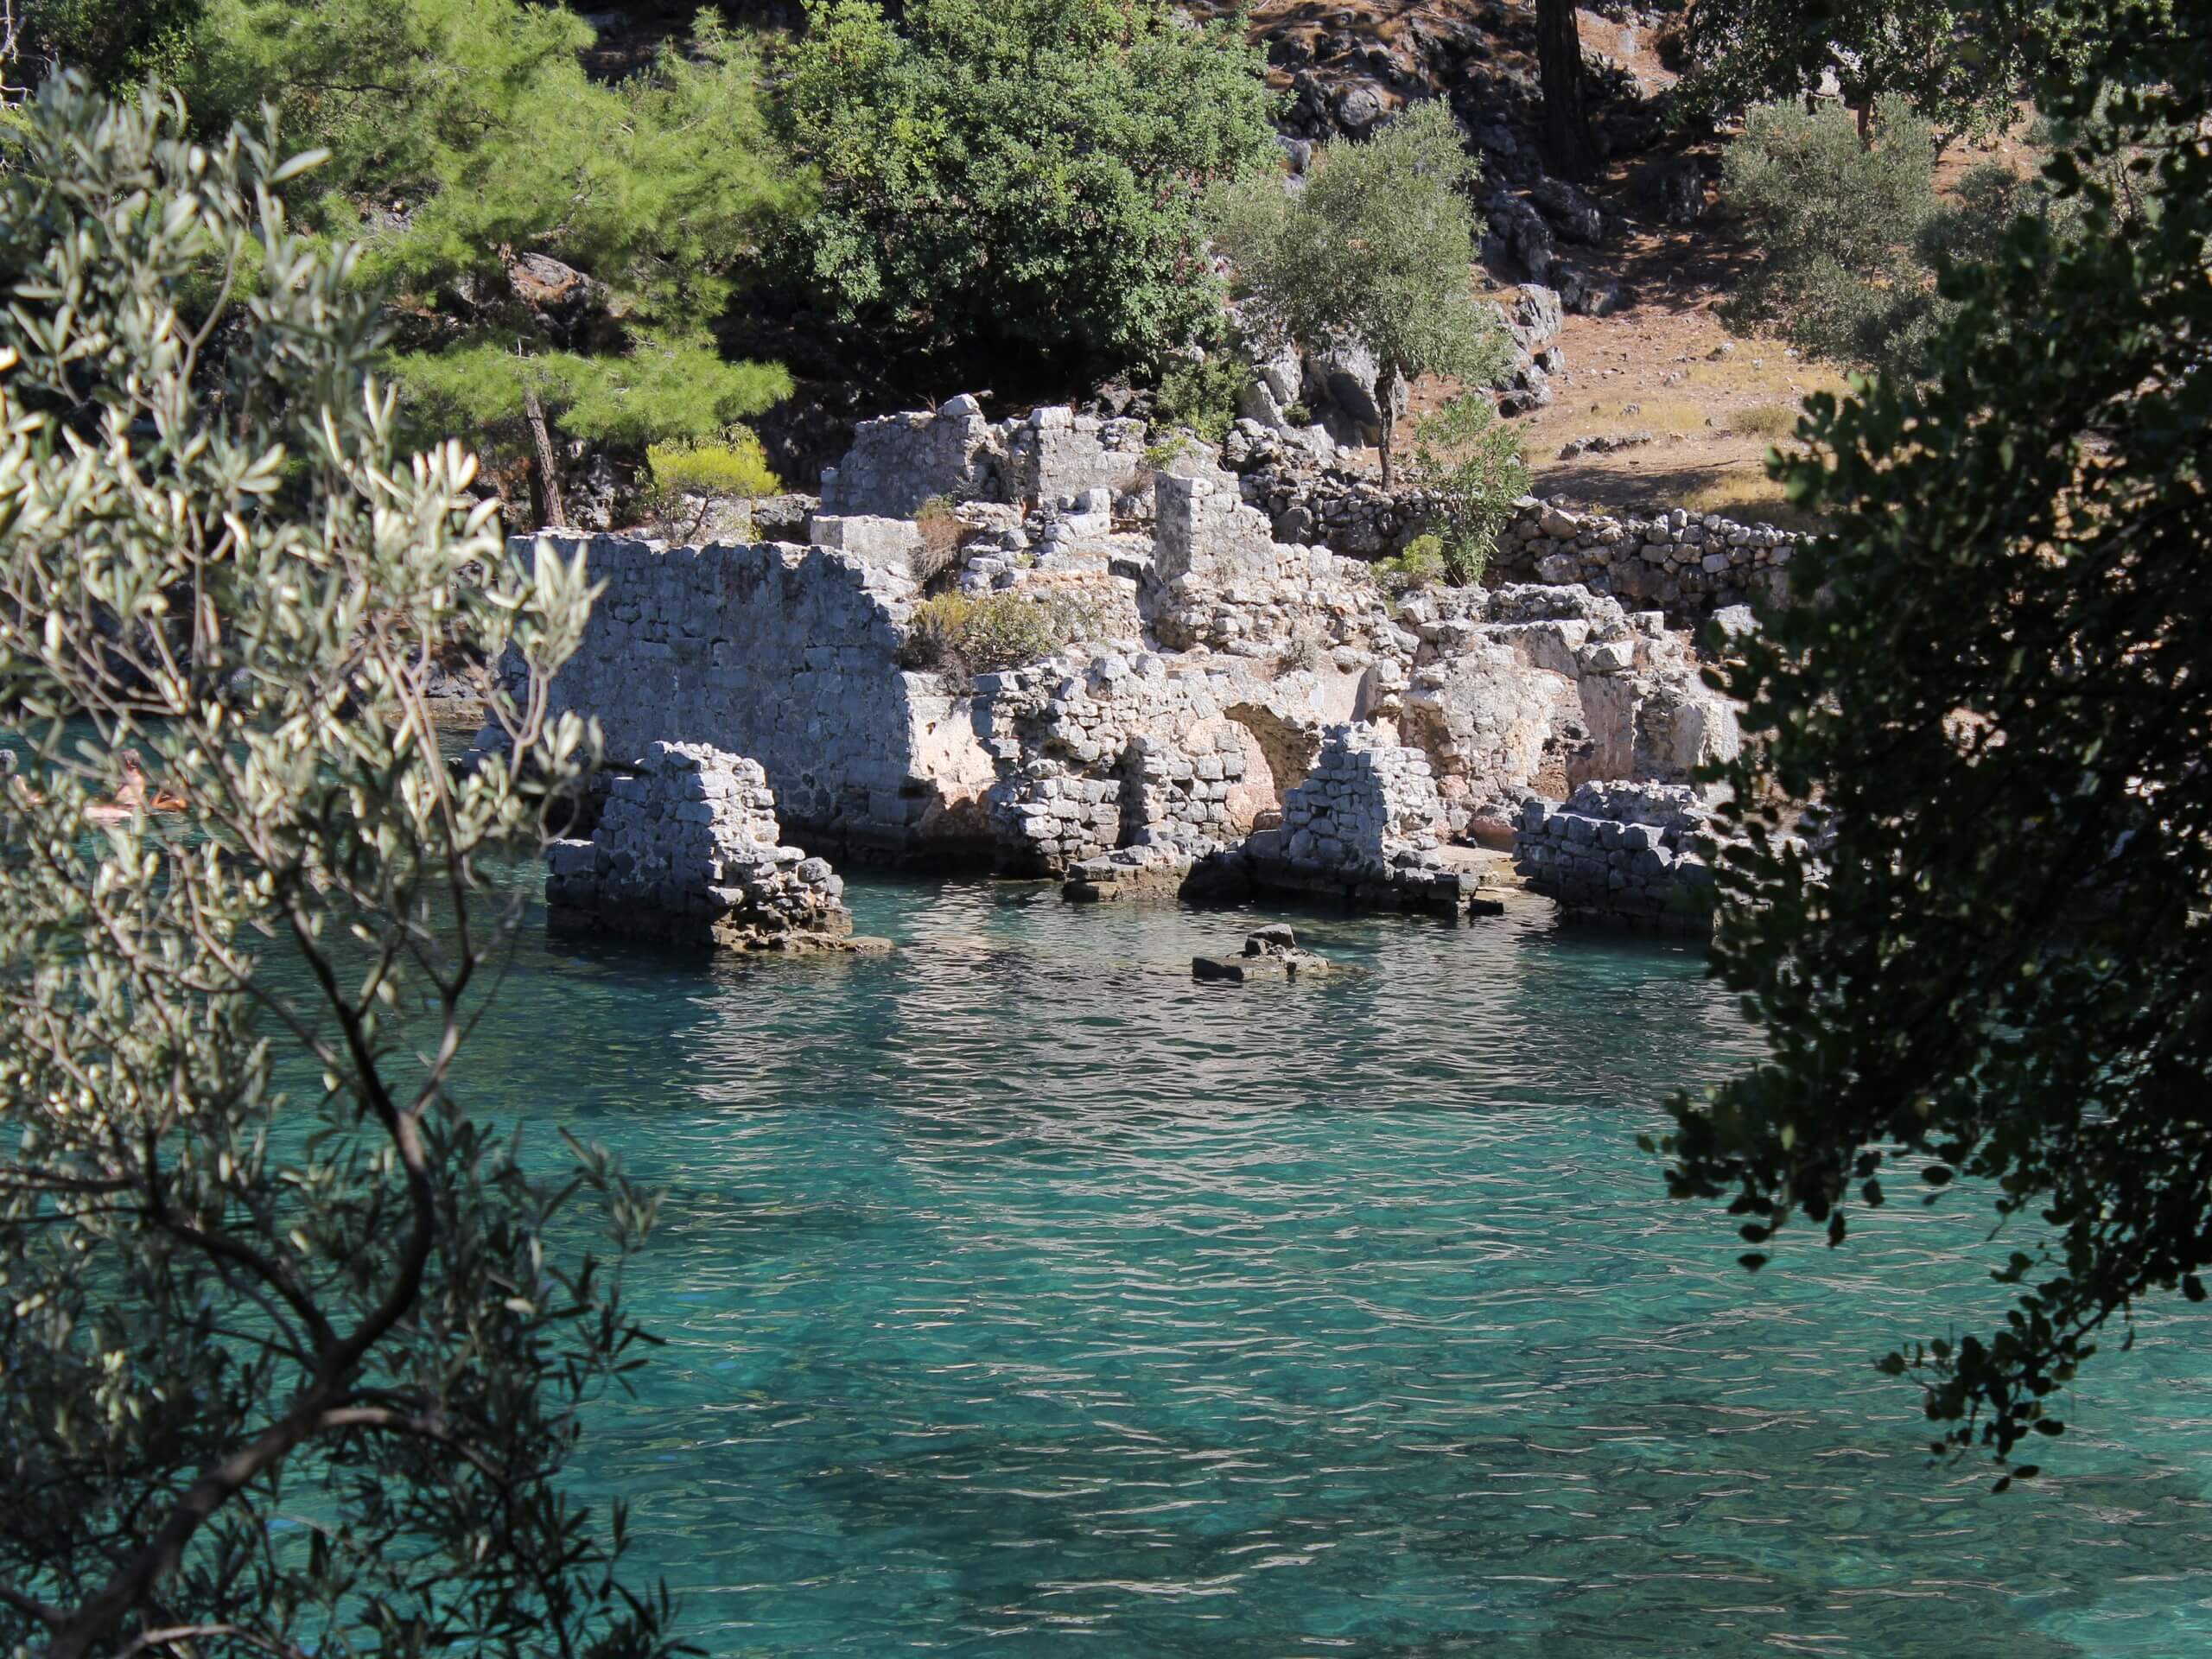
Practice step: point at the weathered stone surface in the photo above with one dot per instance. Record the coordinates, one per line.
(688, 849)
(789, 656)
(1269, 953)
(1630, 854)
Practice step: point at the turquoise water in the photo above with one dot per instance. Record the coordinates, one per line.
(1026, 1298)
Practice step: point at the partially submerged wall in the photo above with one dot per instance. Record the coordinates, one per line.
(1633, 854)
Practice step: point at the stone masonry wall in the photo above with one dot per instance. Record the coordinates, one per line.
(1680, 561)
(688, 849)
(1051, 455)
(1633, 853)
(789, 656)
(1363, 822)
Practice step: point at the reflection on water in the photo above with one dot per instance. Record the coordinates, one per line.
(1026, 1296)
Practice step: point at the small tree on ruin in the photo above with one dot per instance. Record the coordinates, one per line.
(292, 1348)
(1378, 249)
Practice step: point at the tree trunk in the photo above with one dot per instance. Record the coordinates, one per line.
(1567, 137)
(1386, 379)
(548, 464)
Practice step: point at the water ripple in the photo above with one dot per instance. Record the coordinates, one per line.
(1024, 1294)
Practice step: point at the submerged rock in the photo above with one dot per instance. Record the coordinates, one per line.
(1270, 952)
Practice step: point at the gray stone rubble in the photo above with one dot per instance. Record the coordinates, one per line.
(1270, 952)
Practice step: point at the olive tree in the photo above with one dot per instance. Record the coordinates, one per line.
(1378, 250)
(1994, 988)
(292, 1347)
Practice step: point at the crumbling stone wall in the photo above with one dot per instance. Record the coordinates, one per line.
(688, 849)
(1542, 688)
(900, 462)
(1633, 854)
(1050, 455)
(1679, 561)
(1364, 823)
(1221, 582)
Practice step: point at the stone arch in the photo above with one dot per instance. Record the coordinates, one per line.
(1280, 753)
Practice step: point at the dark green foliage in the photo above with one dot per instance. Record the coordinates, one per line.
(2002, 700)
(1200, 393)
(465, 137)
(1852, 235)
(115, 44)
(1963, 64)
(1020, 173)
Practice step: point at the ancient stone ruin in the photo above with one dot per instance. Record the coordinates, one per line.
(1228, 709)
(687, 849)
(1635, 854)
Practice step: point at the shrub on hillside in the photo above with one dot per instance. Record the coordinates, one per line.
(1851, 235)
(1200, 393)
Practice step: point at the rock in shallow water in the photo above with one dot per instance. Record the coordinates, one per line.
(1270, 952)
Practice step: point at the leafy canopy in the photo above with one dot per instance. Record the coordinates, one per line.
(1022, 173)
(2002, 700)
(1963, 64)
(465, 135)
(257, 1260)
(1376, 250)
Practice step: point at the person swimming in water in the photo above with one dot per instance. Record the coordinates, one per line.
(12, 780)
(129, 798)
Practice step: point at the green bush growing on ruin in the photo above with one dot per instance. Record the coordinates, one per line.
(296, 1346)
(735, 468)
(963, 635)
(1199, 394)
(1417, 564)
(1470, 464)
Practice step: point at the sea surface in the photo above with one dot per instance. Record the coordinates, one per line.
(1025, 1297)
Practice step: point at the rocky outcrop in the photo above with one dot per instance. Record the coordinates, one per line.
(688, 849)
